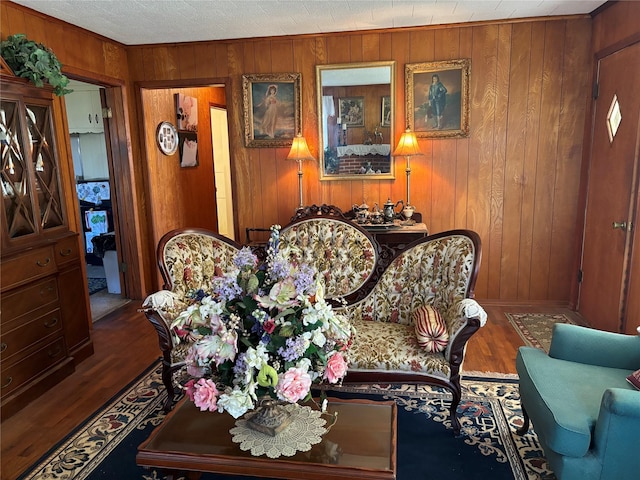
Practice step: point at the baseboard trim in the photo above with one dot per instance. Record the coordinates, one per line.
(524, 303)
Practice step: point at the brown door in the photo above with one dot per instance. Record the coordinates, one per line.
(613, 177)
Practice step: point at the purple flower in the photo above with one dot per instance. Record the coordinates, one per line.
(295, 349)
(305, 281)
(240, 365)
(226, 288)
(280, 269)
(245, 259)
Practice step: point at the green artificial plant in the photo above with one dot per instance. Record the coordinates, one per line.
(34, 61)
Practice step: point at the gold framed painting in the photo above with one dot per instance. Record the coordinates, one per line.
(438, 98)
(272, 109)
(385, 108)
(351, 111)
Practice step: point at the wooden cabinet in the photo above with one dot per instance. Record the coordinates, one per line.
(84, 110)
(44, 328)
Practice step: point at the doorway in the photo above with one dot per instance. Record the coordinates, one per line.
(181, 187)
(95, 197)
(612, 193)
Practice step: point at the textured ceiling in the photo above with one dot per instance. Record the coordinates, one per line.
(136, 22)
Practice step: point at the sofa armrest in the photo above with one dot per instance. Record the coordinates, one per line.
(161, 308)
(617, 433)
(595, 347)
(465, 318)
(163, 300)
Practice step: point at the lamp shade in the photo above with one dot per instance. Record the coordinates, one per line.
(408, 145)
(299, 149)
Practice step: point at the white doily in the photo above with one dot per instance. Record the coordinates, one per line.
(306, 429)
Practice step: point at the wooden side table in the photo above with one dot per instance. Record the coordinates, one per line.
(397, 236)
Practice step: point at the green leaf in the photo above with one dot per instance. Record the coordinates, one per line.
(252, 284)
(35, 62)
(286, 330)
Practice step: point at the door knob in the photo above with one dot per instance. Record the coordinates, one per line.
(620, 225)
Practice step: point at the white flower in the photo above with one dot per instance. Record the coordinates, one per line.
(236, 402)
(319, 311)
(318, 338)
(304, 364)
(339, 329)
(255, 357)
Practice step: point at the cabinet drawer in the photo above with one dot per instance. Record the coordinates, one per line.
(67, 250)
(29, 298)
(14, 341)
(30, 367)
(29, 266)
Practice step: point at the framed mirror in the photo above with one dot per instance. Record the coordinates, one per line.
(356, 105)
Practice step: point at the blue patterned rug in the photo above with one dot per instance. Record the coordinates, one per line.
(105, 446)
(96, 285)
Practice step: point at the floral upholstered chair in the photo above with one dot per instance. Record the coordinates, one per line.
(343, 254)
(188, 261)
(414, 325)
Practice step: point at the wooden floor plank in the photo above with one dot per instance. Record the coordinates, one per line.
(126, 344)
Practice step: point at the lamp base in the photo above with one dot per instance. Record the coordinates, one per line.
(407, 211)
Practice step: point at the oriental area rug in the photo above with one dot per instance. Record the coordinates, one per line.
(535, 328)
(105, 446)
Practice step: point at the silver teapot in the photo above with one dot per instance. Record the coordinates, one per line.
(376, 217)
(389, 211)
(361, 213)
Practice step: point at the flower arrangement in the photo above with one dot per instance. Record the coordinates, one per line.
(265, 330)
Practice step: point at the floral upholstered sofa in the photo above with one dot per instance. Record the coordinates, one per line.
(343, 253)
(188, 260)
(434, 276)
(413, 313)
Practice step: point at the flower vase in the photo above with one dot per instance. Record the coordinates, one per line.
(270, 417)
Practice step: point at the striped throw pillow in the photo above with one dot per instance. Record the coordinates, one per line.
(431, 331)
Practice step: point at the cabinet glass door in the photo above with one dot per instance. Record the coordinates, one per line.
(16, 194)
(45, 166)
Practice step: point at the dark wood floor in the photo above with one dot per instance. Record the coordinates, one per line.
(126, 344)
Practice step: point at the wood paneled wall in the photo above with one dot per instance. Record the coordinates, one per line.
(180, 196)
(514, 180)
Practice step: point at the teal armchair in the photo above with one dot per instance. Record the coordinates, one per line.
(585, 413)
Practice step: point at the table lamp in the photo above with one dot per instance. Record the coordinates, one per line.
(299, 152)
(407, 147)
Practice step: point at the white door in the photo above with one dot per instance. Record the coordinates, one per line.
(222, 171)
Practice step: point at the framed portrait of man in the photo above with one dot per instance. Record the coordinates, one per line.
(438, 98)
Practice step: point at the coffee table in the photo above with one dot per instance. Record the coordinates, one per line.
(361, 445)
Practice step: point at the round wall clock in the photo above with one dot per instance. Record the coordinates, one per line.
(167, 138)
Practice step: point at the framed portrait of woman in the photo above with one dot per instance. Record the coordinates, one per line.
(272, 109)
(438, 98)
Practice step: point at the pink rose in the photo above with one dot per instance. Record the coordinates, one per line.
(293, 385)
(205, 395)
(190, 389)
(336, 368)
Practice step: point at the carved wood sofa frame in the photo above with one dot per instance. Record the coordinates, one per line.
(383, 287)
(188, 259)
